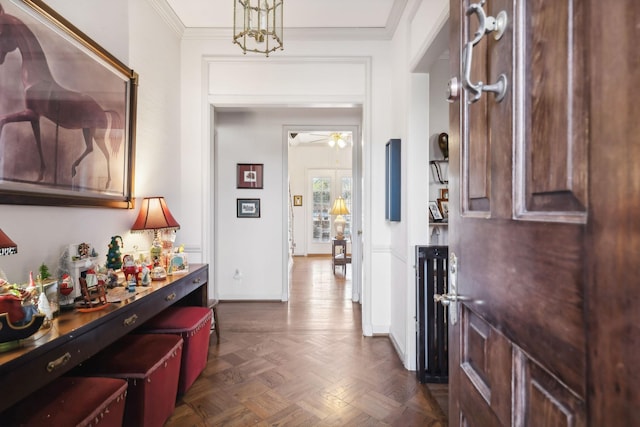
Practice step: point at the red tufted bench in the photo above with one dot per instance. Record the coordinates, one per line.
(193, 324)
(71, 401)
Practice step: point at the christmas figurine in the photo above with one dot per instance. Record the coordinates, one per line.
(146, 276)
(114, 259)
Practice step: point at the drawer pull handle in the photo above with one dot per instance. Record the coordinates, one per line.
(196, 280)
(170, 297)
(60, 361)
(130, 320)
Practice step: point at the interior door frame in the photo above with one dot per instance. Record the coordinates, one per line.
(356, 200)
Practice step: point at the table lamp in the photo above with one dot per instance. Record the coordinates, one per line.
(7, 247)
(155, 216)
(339, 208)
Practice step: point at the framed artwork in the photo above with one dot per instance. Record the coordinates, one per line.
(443, 205)
(248, 208)
(297, 200)
(444, 193)
(179, 263)
(249, 175)
(434, 212)
(393, 178)
(74, 153)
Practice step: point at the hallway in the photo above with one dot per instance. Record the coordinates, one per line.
(306, 363)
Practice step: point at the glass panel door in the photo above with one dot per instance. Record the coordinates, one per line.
(326, 185)
(320, 219)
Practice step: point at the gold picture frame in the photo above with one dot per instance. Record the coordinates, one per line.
(52, 156)
(443, 206)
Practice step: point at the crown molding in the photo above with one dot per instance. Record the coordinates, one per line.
(168, 16)
(395, 16)
(290, 33)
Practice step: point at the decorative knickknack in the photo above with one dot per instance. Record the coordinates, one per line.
(443, 144)
(114, 257)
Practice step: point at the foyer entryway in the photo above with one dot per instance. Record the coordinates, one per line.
(306, 362)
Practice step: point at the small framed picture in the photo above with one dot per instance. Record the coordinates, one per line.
(443, 205)
(434, 212)
(178, 263)
(249, 175)
(297, 200)
(248, 208)
(444, 193)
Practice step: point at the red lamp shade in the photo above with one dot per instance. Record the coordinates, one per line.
(7, 246)
(154, 215)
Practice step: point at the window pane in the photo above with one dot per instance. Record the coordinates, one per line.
(321, 208)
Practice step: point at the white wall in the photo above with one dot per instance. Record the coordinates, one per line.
(135, 34)
(249, 247)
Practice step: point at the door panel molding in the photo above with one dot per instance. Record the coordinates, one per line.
(486, 363)
(550, 114)
(475, 147)
(542, 399)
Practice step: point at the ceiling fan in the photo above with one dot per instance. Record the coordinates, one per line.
(332, 139)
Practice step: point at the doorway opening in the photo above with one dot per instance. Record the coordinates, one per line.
(323, 165)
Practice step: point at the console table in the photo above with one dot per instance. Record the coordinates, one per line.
(74, 337)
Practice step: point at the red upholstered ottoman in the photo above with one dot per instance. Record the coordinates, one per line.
(71, 401)
(151, 365)
(193, 324)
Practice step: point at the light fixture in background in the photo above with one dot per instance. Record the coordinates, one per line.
(337, 139)
(257, 25)
(339, 208)
(7, 247)
(155, 216)
(332, 139)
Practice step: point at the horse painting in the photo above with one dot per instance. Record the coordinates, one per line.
(44, 97)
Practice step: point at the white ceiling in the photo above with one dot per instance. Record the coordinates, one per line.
(366, 15)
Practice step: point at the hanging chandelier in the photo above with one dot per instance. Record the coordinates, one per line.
(257, 25)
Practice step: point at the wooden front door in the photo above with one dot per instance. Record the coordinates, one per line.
(544, 236)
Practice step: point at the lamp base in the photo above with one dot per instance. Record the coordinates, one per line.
(339, 224)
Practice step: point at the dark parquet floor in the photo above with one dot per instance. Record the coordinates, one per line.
(306, 363)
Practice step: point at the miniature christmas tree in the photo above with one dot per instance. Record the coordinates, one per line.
(114, 260)
(44, 272)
